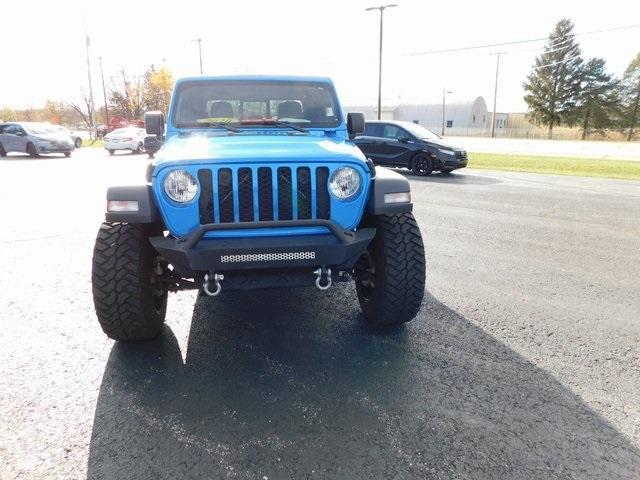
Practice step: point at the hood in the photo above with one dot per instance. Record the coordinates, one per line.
(440, 144)
(257, 148)
(56, 136)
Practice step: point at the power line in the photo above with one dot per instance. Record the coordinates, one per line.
(566, 60)
(516, 42)
(564, 43)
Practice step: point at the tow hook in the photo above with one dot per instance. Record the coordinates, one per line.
(319, 273)
(217, 279)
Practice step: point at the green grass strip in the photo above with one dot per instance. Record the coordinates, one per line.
(582, 167)
(93, 143)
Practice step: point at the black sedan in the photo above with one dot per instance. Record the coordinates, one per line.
(404, 144)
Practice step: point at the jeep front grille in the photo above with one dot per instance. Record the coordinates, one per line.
(263, 194)
(285, 202)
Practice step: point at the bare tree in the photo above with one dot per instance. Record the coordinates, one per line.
(84, 111)
(126, 97)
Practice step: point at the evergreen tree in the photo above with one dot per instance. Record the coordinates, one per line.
(631, 98)
(554, 83)
(598, 98)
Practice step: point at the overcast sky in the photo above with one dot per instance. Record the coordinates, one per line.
(43, 52)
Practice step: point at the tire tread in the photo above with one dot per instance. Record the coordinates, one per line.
(122, 258)
(400, 285)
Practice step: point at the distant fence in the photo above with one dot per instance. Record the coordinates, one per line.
(559, 133)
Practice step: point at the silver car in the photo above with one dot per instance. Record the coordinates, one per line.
(34, 139)
(75, 136)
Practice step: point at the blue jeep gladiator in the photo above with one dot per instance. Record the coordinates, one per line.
(256, 184)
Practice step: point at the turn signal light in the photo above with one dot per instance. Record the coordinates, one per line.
(122, 206)
(400, 197)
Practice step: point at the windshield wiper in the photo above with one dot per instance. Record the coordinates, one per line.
(271, 121)
(291, 125)
(206, 123)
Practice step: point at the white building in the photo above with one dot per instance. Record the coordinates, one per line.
(460, 118)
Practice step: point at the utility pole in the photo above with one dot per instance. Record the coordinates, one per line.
(495, 95)
(381, 8)
(92, 113)
(199, 40)
(444, 94)
(104, 93)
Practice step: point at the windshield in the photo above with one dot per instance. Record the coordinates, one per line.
(255, 104)
(38, 128)
(419, 131)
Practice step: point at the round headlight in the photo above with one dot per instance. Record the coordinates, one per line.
(344, 183)
(180, 186)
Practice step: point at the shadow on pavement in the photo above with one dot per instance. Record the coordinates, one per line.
(12, 157)
(456, 177)
(290, 384)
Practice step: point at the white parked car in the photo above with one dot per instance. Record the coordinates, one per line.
(130, 138)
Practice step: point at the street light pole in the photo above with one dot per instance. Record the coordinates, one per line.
(92, 114)
(199, 40)
(381, 8)
(444, 93)
(495, 96)
(104, 93)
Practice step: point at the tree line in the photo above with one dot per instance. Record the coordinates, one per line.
(127, 96)
(565, 89)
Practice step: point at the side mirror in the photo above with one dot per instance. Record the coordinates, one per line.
(404, 139)
(21, 133)
(152, 145)
(355, 124)
(154, 123)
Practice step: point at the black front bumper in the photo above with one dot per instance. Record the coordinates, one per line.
(453, 163)
(340, 249)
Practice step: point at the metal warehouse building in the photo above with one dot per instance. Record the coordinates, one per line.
(460, 118)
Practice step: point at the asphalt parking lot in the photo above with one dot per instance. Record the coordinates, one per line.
(523, 363)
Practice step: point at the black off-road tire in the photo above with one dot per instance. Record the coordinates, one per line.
(67, 154)
(78, 142)
(129, 298)
(390, 276)
(111, 151)
(3, 152)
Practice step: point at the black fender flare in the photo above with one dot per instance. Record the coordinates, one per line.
(387, 181)
(147, 210)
